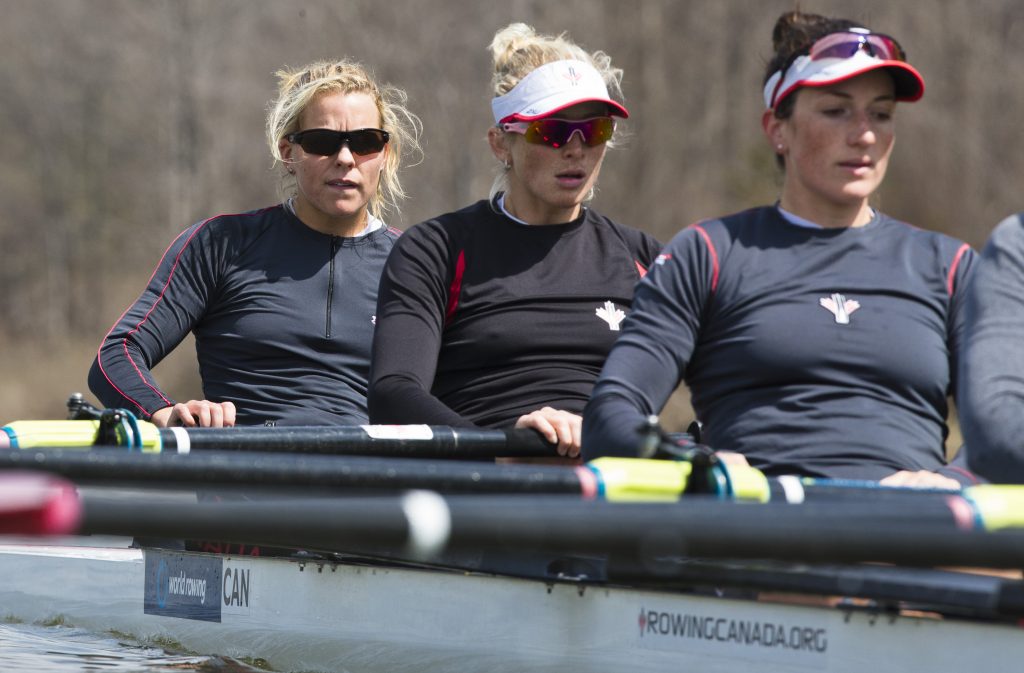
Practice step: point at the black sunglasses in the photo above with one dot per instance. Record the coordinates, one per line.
(327, 142)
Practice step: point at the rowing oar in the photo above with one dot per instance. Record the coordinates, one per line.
(411, 441)
(261, 470)
(648, 539)
(955, 592)
(615, 479)
(424, 524)
(937, 531)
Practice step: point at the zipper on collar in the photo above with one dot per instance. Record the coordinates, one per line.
(330, 285)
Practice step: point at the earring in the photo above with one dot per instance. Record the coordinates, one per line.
(291, 171)
(507, 164)
(778, 148)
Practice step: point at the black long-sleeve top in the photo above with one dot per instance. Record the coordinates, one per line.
(821, 352)
(482, 319)
(282, 315)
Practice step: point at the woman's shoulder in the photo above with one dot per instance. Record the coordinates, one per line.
(720, 232)
(638, 241)
(239, 228)
(453, 222)
(1007, 237)
(229, 231)
(931, 254)
(438, 240)
(931, 241)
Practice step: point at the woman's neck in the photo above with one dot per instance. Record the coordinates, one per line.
(536, 212)
(828, 214)
(317, 220)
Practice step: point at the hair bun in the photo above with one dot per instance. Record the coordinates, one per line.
(796, 31)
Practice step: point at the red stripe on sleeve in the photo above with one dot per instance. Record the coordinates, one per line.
(714, 256)
(953, 267)
(640, 268)
(455, 288)
(124, 342)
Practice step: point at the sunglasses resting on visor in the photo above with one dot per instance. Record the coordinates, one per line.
(555, 132)
(327, 142)
(845, 45)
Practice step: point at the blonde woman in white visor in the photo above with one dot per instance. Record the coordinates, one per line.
(818, 336)
(501, 314)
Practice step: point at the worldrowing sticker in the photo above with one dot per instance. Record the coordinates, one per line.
(182, 585)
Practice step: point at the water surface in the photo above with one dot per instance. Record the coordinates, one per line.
(34, 648)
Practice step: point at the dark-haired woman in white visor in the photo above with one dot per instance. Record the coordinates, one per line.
(501, 314)
(818, 336)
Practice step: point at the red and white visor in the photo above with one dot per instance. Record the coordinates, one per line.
(552, 87)
(842, 56)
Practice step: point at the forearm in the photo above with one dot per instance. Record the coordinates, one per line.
(394, 399)
(612, 427)
(120, 378)
(991, 382)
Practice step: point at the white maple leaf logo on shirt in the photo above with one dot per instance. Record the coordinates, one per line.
(611, 315)
(840, 307)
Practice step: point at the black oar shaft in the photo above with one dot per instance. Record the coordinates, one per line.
(694, 528)
(402, 441)
(956, 592)
(110, 466)
(301, 524)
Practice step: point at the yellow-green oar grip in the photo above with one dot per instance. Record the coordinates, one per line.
(748, 483)
(36, 434)
(640, 479)
(151, 440)
(70, 434)
(997, 506)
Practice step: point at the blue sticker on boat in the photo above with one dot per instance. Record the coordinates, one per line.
(182, 585)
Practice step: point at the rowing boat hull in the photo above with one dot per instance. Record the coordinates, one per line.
(322, 616)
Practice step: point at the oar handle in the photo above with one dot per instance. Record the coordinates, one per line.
(403, 441)
(395, 441)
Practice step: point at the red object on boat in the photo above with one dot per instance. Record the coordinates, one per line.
(38, 504)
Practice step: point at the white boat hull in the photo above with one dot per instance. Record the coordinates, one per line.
(312, 616)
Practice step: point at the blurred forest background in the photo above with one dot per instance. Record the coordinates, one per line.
(125, 121)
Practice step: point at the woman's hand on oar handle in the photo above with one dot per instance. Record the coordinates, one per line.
(556, 426)
(919, 479)
(196, 413)
(731, 458)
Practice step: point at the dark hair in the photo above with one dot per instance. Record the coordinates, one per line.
(794, 34)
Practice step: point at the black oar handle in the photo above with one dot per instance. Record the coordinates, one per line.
(383, 441)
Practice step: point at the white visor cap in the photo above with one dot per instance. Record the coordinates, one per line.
(552, 87)
(806, 71)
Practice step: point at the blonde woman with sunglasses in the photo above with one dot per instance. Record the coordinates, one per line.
(500, 315)
(281, 300)
(818, 335)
